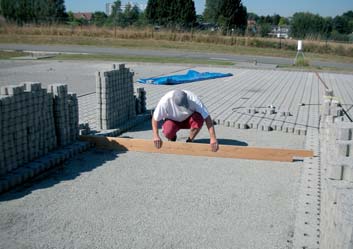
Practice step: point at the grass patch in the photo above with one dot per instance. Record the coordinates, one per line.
(146, 59)
(301, 61)
(310, 68)
(5, 55)
(241, 46)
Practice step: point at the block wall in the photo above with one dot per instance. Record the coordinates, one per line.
(336, 216)
(29, 126)
(65, 110)
(140, 100)
(115, 96)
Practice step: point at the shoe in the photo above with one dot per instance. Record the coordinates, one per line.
(173, 139)
(189, 140)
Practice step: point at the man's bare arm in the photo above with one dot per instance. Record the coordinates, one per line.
(211, 130)
(156, 138)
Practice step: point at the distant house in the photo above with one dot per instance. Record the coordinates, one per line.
(87, 16)
(280, 31)
(207, 26)
(109, 6)
(251, 27)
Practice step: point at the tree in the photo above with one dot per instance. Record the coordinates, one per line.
(282, 21)
(23, 11)
(130, 15)
(233, 15)
(275, 19)
(229, 14)
(187, 12)
(99, 18)
(164, 15)
(343, 24)
(211, 12)
(264, 28)
(305, 24)
(116, 14)
(151, 11)
(253, 16)
(171, 13)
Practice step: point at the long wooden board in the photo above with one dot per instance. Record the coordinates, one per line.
(198, 149)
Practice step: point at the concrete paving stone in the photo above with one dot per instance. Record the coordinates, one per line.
(4, 185)
(212, 98)
(25, 174)
(335, 172)
(190, 197)
(13, 179)
(347, 173)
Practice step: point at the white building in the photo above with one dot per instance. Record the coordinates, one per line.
(109, 6)
(280, 32)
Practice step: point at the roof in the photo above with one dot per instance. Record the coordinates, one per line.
(84, 15)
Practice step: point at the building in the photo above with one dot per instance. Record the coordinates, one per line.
(280, 32)
(251, 27)
(109, 6)
(87, 16)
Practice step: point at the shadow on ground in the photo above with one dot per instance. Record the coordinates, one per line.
(222, 142)
(68, 171)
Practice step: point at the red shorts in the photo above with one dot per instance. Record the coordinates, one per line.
(171, 127)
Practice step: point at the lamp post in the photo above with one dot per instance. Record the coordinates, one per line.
(279, 35)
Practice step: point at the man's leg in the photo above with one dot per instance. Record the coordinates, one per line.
(170, 128)
(195, 122)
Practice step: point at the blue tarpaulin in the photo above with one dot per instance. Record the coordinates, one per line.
(190, 76)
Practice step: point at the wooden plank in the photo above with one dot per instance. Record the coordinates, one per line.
(197, 149)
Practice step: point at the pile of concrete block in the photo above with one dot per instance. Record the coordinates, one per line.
(65, 107)
(27, 125)
(115, 96)
(140, 100)
(34, 121)
(336, 216)
(331, 108)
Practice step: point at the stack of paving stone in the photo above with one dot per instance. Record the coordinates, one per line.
(26, 125)
(336, 227)
(33, 122)
(115, 94)
(84, 129)
(140, 100)
(65, 114)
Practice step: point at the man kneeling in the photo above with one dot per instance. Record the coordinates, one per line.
(182, 110)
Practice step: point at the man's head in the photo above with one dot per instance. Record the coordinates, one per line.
(181, 99)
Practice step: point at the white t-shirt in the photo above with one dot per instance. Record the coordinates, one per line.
(167, 109)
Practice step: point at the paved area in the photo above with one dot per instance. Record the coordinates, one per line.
(138, 200)
(296, 94)
(102, 199)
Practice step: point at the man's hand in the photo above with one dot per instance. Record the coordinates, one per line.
(214, 145)
(157, 142)
(156, 138)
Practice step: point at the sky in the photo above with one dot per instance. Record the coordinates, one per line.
(284, 8)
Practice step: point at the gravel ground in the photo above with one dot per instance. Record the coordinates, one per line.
(102, 199)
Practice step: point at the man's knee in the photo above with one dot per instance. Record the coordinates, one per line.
(170, 129)
(196, 121)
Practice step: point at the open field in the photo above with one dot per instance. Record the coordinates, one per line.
(165, 40)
